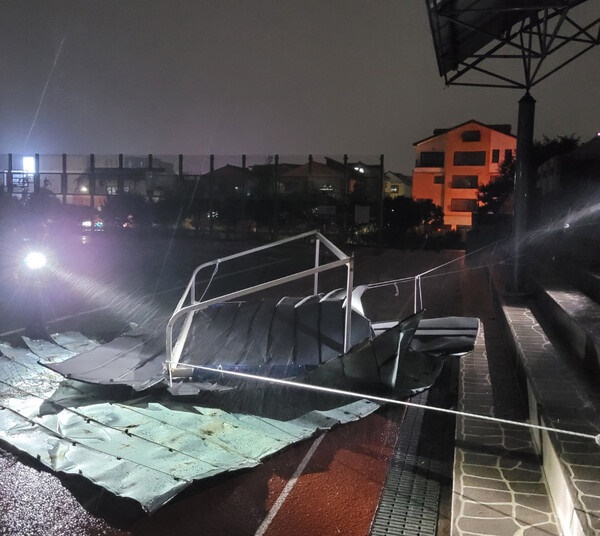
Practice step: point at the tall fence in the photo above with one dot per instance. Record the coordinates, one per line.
(213, 193)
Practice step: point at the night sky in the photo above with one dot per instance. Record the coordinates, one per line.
(255, 77)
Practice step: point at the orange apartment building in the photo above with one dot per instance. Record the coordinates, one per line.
(454, 162)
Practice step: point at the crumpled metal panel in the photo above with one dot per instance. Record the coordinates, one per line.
(22, 375)
(48, 352)
(145, 451)
(125, 360)
(75, 342)
(121, 476)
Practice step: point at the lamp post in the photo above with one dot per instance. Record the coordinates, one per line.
(35, 265)
(524, 177)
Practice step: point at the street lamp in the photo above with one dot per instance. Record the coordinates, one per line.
(35, 267)
(35, 260)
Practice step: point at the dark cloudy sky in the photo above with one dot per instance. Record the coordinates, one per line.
(250, 76)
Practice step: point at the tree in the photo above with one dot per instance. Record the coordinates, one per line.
(9, 207)
(41, 207)
(547, 148)
(403, 216)
(492, 196)
(168, 211)
(119, 208)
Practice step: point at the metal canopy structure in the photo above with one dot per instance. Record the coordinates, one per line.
(541, 35)
(511, 44)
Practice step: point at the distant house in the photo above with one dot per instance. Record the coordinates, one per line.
(396, 185)
(364, 180)
(313, 177)
(227, 182)
(265, 176)
(140, 175)
(452, 164)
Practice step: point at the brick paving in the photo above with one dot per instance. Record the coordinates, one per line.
(509, 479)
(499, 488)
(565, 402)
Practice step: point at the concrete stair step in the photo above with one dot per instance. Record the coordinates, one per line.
(559, 393)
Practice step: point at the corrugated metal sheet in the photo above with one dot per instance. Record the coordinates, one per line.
(142, 449)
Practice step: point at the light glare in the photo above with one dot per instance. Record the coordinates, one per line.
(35, 260)
(29, 164)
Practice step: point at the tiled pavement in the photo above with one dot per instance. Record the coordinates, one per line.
(499, 487)
(559, 397)
(508, 479)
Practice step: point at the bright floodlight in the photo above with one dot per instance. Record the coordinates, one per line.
(35, 260)
(29, 164)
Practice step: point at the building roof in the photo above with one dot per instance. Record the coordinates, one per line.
(314, 168)
(368, 170)
(229, 171)
(397, 177)
(502, 128)
(267, 170)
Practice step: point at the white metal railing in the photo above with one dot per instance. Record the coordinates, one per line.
(189, 305)
(417, 282)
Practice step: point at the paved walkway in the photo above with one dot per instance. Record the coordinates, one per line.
(560, 397)
(499, 487)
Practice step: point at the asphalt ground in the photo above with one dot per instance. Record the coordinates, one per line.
(327, 485)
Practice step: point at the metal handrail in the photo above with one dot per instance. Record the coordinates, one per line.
(417, 282)
(174, 351)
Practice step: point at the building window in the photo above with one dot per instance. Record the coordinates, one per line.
(469, 158)
(508, 154)
(113, 190)
(471, 135)
(463, 205)
(394, 189)
(438, 179)
(431, 159)
(495, 156)
(465, 181)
